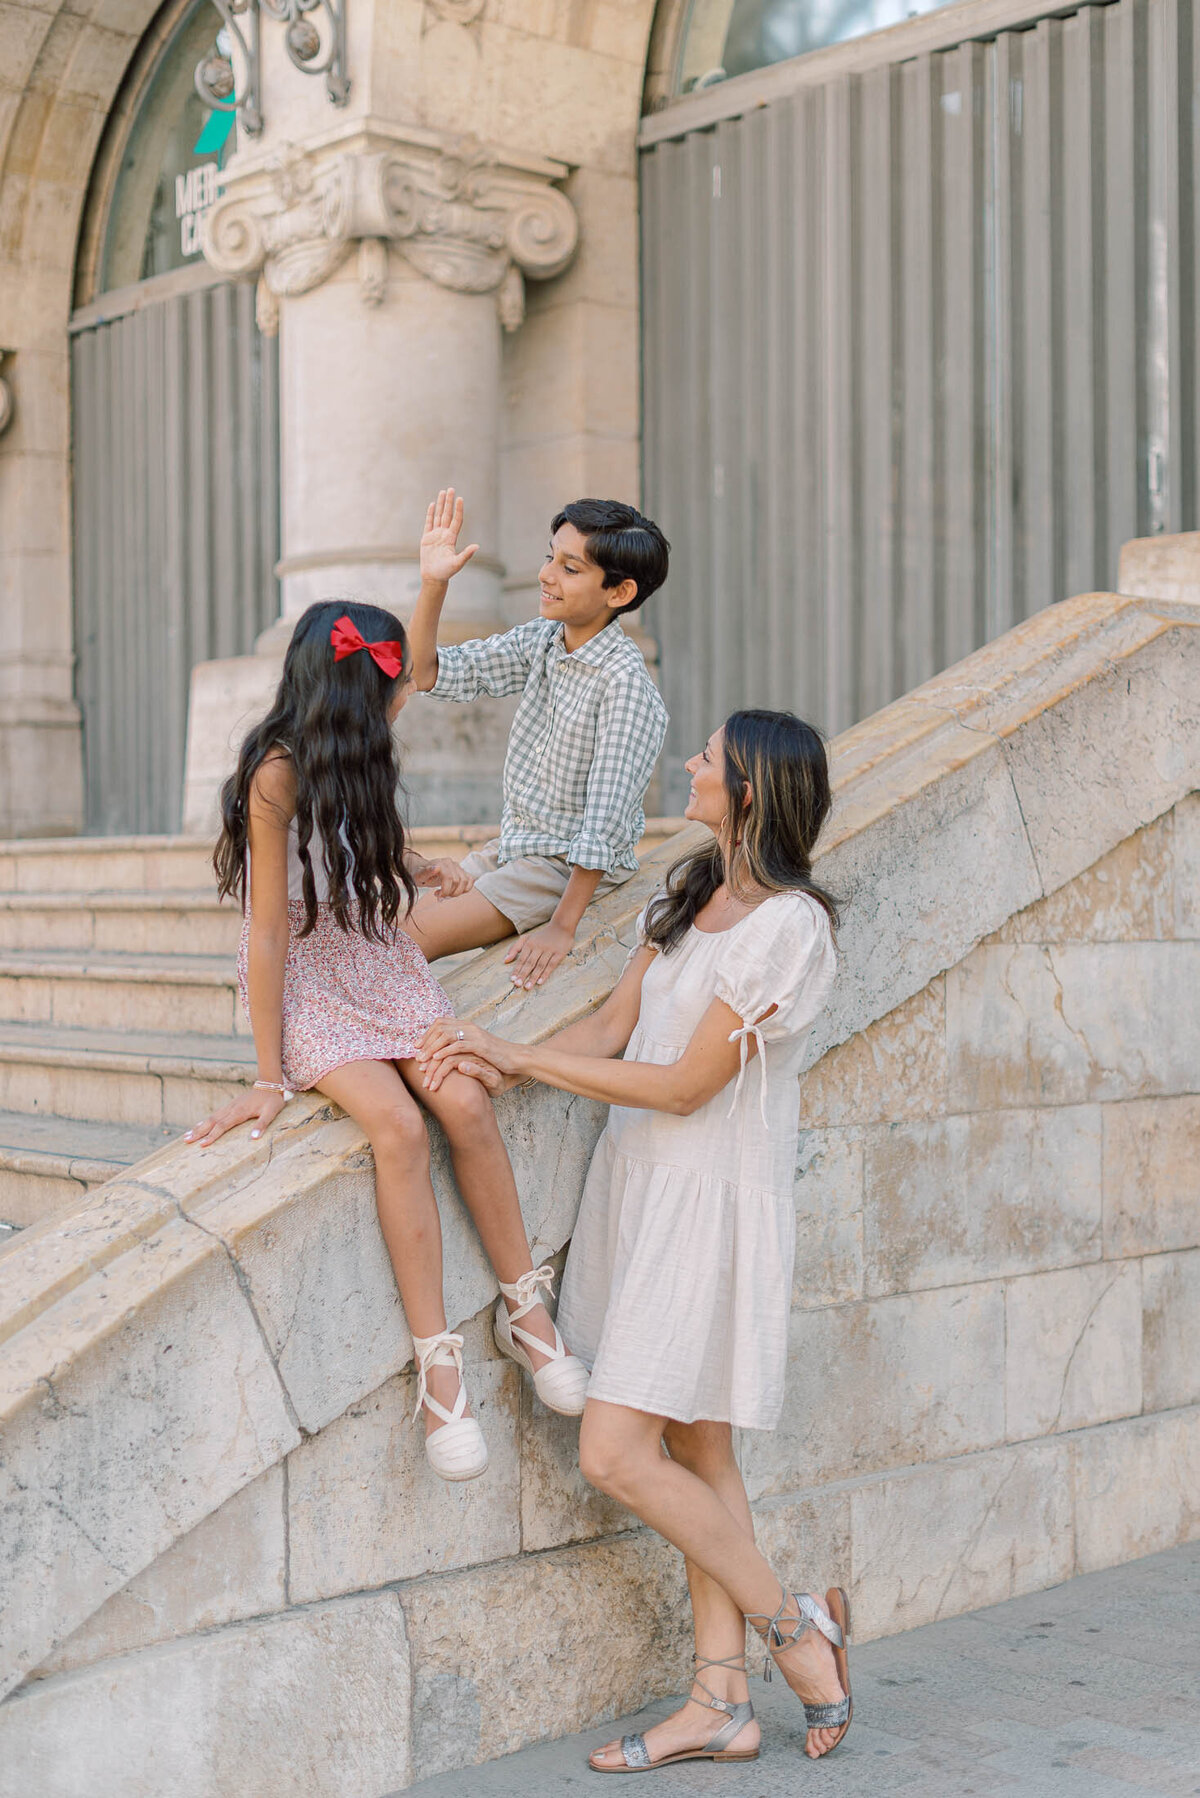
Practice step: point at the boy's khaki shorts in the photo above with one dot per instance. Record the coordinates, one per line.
(528, 888)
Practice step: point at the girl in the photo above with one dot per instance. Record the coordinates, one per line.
(339, 997)
(678, 1284)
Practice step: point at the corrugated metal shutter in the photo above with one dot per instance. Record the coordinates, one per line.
(176, 449)
(920, 353)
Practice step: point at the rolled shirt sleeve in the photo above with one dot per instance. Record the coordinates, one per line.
(496, 665)
(629, 739)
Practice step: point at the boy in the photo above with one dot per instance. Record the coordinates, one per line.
(583, 744)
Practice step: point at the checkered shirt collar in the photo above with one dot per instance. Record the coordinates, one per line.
(597, 648)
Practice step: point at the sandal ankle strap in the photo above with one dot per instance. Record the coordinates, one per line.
(443, 1350)
(729, 1707)
(811, 1616)
(527, 1289)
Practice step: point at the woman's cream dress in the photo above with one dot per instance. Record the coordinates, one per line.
(678, 1284)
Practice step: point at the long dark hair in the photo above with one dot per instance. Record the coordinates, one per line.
(766, 847)
(330, 719)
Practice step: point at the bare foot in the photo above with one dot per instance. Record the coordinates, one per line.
(690, 1727)
(811, 1672)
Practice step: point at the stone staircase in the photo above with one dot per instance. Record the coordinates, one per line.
(119, 1022)
(119, 1017)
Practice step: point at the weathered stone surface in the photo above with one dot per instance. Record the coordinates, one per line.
(1151, 1176)
(894, 1069)
(909, 914)
(976, 1197)
(1186, 850)
(558, 1507)
(829, 1217)
(364, 1509)
(314, 1701)
(231, 1566)
(1121, 742)
(1029, 1025)
(513, 1653)
(1137, 1488)
(1073, 1354)
(132, 1407)
(1171, 1330)
(807, 1539)
(882, 1383)
(934, 1541)
(1127, 896)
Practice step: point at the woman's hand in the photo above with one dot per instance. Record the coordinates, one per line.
(448, 1041)
(444, 874)
(441, 558)
(258, 1106)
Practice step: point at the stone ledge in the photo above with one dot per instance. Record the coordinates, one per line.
(419, 1680)
(945, 826)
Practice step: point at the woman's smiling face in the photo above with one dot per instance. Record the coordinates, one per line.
(708, 801)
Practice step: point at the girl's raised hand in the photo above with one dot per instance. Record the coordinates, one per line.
(441, 558)
(257, 1106)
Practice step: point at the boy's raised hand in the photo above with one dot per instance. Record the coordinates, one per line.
(441, 559)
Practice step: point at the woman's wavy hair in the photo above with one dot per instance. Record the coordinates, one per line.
(331, 719)
(766, 846)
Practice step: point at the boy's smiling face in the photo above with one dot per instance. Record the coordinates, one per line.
(573, 593)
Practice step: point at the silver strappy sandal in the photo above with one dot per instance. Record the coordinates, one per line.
(835, 1628)
(636, 1755)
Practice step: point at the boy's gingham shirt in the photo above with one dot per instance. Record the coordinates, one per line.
(583, 745)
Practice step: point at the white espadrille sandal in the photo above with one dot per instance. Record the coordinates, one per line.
(562, 1382)
(456, 1451)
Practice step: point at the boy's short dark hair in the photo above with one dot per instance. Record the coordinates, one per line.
(621, 541)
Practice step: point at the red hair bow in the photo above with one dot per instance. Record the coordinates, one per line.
(347, 639)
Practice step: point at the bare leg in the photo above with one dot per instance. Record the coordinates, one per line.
(620, 1453)
(706, 1449)
(448, 926)
(376, 1097)
(485, 1179)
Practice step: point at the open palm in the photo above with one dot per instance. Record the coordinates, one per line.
(441, 558)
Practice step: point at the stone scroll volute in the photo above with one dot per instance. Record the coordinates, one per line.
(461, 213)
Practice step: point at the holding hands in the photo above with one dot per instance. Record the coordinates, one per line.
(441, 558)
(450, 1047)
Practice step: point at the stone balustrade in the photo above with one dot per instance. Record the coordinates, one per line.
(231, 1572)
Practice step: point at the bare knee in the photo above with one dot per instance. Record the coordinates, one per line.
(611, 1463)
(464, 1108)
(397, 1133)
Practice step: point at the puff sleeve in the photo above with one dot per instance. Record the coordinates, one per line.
(782, 955)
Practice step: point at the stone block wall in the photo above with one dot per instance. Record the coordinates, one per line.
(234, 1574)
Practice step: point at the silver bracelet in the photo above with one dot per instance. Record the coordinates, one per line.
(275, 1086)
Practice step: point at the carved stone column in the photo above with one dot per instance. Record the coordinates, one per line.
(389, 259)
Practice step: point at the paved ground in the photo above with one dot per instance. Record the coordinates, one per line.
(1091, 1690)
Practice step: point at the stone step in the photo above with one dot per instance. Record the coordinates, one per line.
(170, 922)
(49, 1162)
(105, 864)
(86, 990)
(153, 864)
(137, 1077)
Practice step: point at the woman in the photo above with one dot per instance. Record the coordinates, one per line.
(678, 1283)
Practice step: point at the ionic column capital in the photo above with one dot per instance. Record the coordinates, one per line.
(467, 216)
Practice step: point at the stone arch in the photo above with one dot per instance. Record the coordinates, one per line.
(63, 73)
